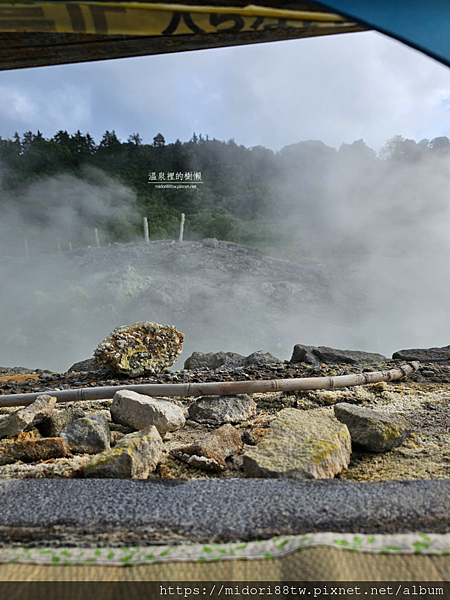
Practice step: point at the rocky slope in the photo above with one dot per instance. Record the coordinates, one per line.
(223, 296)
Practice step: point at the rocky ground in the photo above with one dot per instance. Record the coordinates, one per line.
(422, 399)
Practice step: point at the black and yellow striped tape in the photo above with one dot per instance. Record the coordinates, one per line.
(137, 18)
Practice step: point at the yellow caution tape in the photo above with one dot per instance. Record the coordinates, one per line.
(137, 18)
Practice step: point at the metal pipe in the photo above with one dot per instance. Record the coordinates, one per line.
(215, 388)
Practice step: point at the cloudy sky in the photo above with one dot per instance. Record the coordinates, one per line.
(337, 89)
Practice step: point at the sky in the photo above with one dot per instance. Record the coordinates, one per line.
(336, 89)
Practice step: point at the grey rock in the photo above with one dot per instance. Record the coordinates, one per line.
(211, 452)
(52, 425)
(86, 365)
(88, 435)
(439, 355)
(135, 456)
(210, 242)
(104, 415)
(139, 411)
(222, 409)
(300, 444)
(304, 354)
(261, 358)
(371, 429)
(323, 354)
(213, 360)
(27, 417)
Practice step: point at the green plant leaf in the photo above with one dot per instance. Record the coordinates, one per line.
(342, 542)
(126, 558)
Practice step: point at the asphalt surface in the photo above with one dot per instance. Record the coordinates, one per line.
(131, 513)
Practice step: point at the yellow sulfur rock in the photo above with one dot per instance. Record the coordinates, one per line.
(300, 444)
(139, 349)
(134, 457)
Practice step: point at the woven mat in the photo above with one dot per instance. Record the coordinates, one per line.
(324, 557)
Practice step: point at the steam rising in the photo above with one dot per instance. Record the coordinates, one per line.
(368, 239)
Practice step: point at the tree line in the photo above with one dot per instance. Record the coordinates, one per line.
(246, 195)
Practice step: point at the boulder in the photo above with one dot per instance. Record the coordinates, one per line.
(302, 445)
(140, 349)
(211, 452)
(134, 457)
(88, 435)
(139, 411)
(261, 358)
(439, 355)
(52, 425)
(216, 360)
(27, 417)
(210, 242)
(222, 409)
(371, 429)
(304, 354)
(32, 450)
(213, 360)
(85, 366)
(322, 354)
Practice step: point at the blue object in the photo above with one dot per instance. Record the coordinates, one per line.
(421, 24)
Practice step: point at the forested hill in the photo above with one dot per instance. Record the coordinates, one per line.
(67, 185)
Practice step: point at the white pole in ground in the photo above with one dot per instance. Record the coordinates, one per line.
(27, 253)
(97, 241)
(180, 239)
(59, 245)
(147, 239)
(70, 246)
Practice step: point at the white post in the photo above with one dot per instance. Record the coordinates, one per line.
(97, 241)
(147, 239)
(70, 246)
(180, 239)
(59, 245)
(27, 253)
